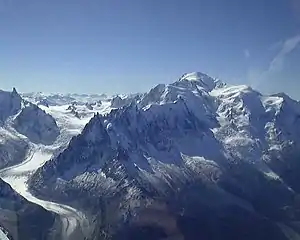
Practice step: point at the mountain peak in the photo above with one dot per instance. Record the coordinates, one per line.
(201, 79)
(10, 104)
(14, 90)
(194, 76)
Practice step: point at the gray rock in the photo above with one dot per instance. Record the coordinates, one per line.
(37, 125)
(10, 104)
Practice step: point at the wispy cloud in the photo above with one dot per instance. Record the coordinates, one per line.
(247, 53)
(288, 46)
(261, 78)
(269, 78)
(275, 47)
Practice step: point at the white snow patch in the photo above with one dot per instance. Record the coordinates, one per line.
(3, 235)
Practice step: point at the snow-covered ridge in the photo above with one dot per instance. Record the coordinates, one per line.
(21, 120)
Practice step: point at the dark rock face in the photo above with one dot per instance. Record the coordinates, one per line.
(37, 125)
(12, 151)
(10, 104)
(118, 102)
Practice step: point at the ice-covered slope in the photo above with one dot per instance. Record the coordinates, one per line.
(203, 157)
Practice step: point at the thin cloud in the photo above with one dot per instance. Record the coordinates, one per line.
(275, 47)
(258, 78)
(288, 46)
(247, 53)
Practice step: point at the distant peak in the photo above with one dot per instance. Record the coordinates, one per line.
(14, 90)
(286, 100)
(281, 95)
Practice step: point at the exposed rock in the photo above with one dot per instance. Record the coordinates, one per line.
(37, 125)
(10, 104)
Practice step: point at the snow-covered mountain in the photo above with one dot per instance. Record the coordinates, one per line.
(21, 124)
(19, 120)
(36, 124)
(124, 100)
(190, 160)
(29, 136)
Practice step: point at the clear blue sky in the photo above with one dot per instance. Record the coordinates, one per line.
(130, 45)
